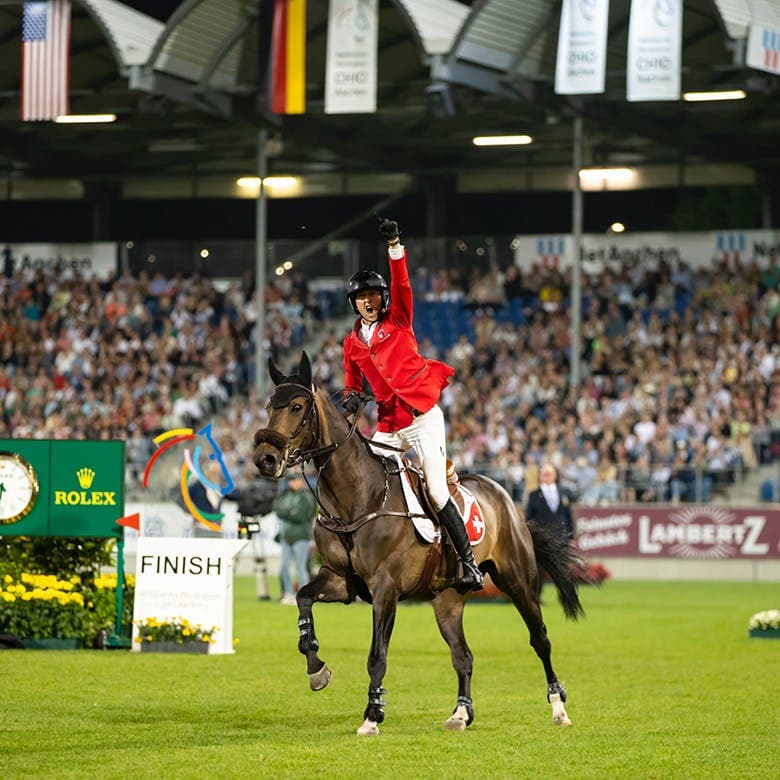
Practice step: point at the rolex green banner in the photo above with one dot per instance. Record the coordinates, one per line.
(61, 488)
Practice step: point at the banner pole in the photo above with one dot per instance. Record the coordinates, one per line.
(576, 278)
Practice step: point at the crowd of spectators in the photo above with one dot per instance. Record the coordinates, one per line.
(680, 389)
(680, 378)
(133, 356)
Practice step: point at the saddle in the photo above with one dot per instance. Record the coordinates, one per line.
(417, 482)
(439, 567)
(413, 482)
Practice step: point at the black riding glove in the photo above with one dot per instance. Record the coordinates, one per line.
(389, 229)
(352, 402)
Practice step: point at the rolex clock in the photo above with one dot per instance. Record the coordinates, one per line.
(18, 487)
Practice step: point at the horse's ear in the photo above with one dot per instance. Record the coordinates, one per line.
(304, 370)
(277, 376)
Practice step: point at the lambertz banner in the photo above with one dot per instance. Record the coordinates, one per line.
(692, 532)
(580, 66)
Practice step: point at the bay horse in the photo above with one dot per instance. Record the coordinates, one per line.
(370, 548)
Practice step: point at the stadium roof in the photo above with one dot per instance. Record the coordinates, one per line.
(185, 89)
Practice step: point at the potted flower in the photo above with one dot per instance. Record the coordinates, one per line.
(173, 635)
(765, 624)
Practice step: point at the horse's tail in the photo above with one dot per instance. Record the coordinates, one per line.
(564, 566)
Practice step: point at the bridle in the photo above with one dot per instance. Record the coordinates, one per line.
(310, 424)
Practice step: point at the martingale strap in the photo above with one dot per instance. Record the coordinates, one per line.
(334, 524)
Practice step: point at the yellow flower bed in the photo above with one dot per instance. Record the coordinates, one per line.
(47, 606)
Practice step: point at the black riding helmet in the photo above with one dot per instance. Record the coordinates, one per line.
(367, 280)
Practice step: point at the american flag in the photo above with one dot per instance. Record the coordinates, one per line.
(45, 66)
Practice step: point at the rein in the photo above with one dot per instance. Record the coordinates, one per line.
(299, 457)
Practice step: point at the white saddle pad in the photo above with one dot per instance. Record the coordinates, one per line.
(424, 525)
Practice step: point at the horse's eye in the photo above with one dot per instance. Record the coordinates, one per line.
(296, 408)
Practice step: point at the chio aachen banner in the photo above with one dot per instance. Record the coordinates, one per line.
(702, 249)
(94, 259)
(693, 532)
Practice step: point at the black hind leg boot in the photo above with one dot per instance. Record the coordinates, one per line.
(470, 578)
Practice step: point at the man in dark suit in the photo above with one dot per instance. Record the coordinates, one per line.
(550, 506)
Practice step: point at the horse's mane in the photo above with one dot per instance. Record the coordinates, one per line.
(325, 402)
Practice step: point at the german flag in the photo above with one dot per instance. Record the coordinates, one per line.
(288, 57)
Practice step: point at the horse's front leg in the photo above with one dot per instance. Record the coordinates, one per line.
(385, 602)
(326, 586)
(448, 608)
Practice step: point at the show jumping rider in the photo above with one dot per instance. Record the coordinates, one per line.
(382, 348)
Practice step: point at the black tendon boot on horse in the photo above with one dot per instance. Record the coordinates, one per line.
(470, 578)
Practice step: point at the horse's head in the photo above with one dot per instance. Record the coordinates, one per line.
(292, 413)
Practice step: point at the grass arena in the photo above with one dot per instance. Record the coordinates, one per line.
(663, 681)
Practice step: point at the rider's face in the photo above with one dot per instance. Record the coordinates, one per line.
(369, 304)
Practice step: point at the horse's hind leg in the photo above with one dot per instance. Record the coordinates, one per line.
(326, 586)
(523, 593)
(448, 608)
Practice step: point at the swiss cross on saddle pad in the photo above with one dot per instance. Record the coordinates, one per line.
(471, 512)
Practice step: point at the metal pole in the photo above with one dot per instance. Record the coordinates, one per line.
(120, 583)
(260, 264)
(576, 277)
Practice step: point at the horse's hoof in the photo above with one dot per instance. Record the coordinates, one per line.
(368, 729)
(559, 716)
(319, 680)
(460, 718)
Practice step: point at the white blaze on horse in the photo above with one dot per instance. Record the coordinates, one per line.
(370, 548)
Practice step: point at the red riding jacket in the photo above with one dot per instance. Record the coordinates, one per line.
(402, 380)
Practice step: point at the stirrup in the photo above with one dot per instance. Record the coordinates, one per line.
(471, 578)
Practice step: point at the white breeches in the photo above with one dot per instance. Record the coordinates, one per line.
(427, 437)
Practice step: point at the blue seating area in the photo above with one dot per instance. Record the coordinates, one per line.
(443, 322)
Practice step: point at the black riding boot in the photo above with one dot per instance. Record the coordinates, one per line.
(452, 521)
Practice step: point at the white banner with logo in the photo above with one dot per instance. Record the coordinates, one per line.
(582, 47)
(654, 50)
(65, 260)
(600, 252)
(187, 578)
(763, 48)
(351, 59)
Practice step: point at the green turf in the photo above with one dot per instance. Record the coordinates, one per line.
(663, 681)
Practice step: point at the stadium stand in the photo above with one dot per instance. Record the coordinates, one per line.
(680, 395)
